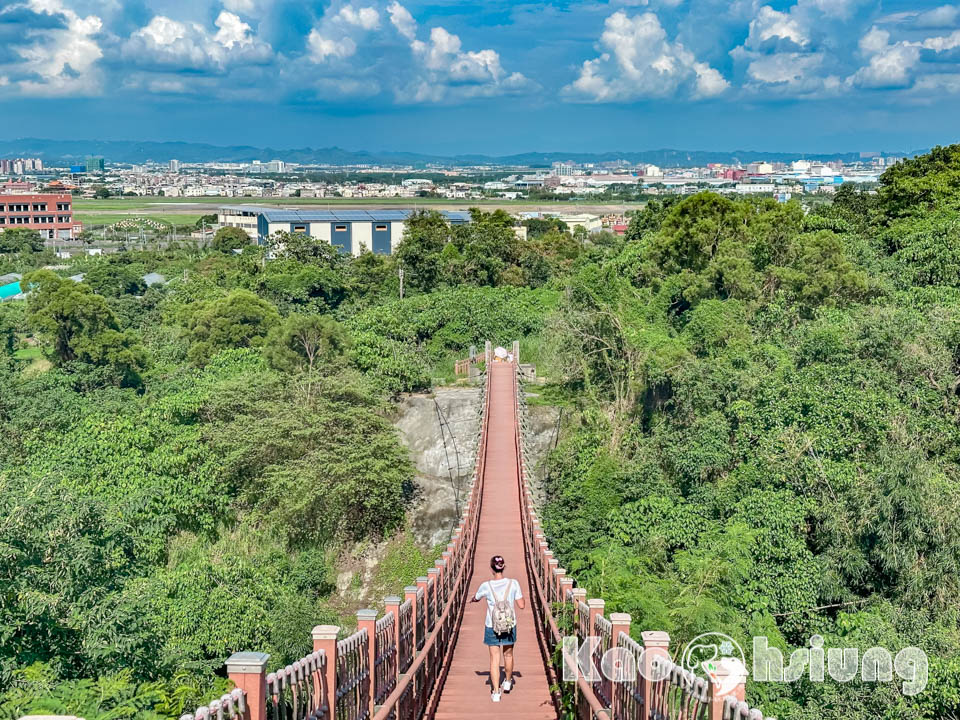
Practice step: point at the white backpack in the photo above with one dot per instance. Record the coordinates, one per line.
(504, 618)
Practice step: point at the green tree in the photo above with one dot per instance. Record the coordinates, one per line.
(15, 240)
(228, 239)
(304, 344)
(12, 323)
(425, 235)
(78, 325)
(487, 246)
(113, 279)
(239, 320)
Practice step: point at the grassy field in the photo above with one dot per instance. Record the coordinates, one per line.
(187, 211)
(109, 218)
(28, 353)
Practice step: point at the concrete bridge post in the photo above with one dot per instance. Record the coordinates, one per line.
(655, 644)
(247, 670)
(435, 573)
(566, 585)
(488, 353)
(596, 606)
(410, 593)
(544, 559)
(325, 638)
(579, 596)
(367, 620)
(551, 580)
(558, 575)
(717, 699)
(516, 352)
(443, 579)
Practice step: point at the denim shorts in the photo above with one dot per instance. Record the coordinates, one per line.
(491, 638)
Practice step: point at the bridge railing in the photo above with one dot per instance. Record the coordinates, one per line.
(391, 666)
(671, 693)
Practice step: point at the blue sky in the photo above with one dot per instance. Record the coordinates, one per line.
(495, 77)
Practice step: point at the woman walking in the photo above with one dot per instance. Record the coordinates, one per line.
(500, 630)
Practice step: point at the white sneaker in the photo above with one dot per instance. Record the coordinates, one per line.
(507, 684)
(495, 697)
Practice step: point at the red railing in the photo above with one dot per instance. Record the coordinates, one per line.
(385, 658)
(353, 677)
(436, 609)
(297, 692)
(391, 667)
(672, 693)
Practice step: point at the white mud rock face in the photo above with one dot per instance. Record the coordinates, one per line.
(443, 447)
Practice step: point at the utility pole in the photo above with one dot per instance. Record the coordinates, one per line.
(401, 282)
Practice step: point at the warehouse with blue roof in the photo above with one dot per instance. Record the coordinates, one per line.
(379, 231)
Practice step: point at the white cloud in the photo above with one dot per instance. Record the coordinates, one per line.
(800, 51)
(61, 61)
(340, 31)
(784, 67)
(247, 7)
(322, 47)
(889, 65)
(366, 17)
(942, 17)
(637, 60)
(402, 20)
(771, 24)
(942, 44)
(875, 41)
(231, 30)
(169, 43)
(444, 71)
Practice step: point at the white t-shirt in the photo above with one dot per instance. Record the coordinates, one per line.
(493, 590)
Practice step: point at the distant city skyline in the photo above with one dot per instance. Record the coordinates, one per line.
(498, 77)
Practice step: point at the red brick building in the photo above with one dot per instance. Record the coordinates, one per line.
(50, 214)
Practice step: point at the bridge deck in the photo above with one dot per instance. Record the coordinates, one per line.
(466, 693)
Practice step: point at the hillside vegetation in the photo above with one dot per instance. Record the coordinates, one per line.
(767, 437)
(182, 466)
(762, 436)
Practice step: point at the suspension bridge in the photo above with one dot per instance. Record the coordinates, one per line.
(423, 656)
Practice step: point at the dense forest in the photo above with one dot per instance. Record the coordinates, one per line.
(760, 435)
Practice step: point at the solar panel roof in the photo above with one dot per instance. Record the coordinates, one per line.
(305, 215)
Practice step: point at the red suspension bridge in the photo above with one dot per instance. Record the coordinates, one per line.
(424, 656)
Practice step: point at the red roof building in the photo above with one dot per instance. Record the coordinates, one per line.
(50, 214)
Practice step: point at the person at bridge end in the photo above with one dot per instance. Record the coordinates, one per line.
(500, 630)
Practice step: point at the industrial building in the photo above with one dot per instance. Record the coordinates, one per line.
(49, 214)
(379, 231)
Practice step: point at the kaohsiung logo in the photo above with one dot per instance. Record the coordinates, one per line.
(721, 660)
(717, 657)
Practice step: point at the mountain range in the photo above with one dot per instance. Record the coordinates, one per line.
(139, 152)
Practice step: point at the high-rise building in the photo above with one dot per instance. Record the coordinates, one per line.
(19, 166)
(174, 166)
(94, 164)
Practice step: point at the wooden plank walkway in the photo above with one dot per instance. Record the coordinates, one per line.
(466, 693)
